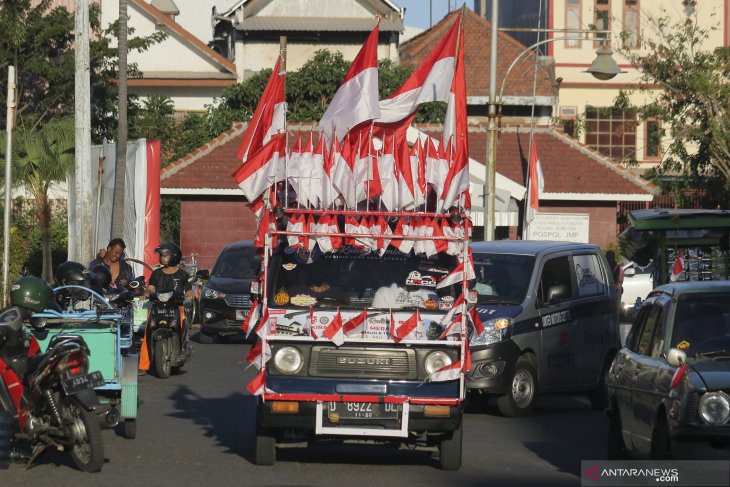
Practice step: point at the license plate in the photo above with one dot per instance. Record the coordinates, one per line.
(80, 383)
(241, 314)
(361, 410)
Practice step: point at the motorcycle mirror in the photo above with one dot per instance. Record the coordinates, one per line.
(203, 273)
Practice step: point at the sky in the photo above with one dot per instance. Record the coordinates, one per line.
(419, 11)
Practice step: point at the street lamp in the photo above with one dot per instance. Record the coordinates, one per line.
(604, 67)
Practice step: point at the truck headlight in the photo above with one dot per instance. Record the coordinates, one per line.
(495, 330)
(436, 361)
(714, 408)
(211, 293)
(288, 360)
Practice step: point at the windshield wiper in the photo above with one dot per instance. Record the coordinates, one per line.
(495, 300)
(714, 353)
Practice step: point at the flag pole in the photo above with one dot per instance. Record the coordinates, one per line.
(282, 55)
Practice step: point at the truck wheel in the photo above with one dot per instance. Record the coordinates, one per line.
(450, 450)
(616, 449)
(265, 448)
(130, 428)
(599, 396)
(521, 398)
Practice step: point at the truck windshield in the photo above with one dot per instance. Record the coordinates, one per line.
(502, 278)
(352, 278)
(238, 263)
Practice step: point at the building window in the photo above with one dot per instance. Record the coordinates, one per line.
(630, 34)
(572, 21)
(612, 132)
(653, 134)
(602, 20)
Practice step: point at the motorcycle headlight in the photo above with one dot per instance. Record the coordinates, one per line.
(495, 330)
(288, 360)
(212, 293)
(436, 361)
(714, 408)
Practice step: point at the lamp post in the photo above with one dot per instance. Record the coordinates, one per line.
(604, 67)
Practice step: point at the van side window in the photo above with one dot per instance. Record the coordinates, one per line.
(555, 283)
(647, 331)
(591, 281)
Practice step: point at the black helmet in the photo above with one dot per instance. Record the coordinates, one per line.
(171, 249)
(101, 278)
(72, 273)
(31, 293)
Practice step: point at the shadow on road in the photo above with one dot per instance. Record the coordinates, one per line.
(229, 420)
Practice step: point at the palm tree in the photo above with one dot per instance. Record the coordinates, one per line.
(42, 157)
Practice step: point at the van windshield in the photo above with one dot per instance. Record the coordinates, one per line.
(355, 279)
(239, 263)
(502, 278)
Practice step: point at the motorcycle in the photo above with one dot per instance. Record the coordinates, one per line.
(50, 396)
(168, 343)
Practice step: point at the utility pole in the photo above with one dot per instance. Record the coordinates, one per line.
(120, 168)
(81, 250)
(492, 129)
(9, 123)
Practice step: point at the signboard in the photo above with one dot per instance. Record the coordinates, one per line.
(566, 227)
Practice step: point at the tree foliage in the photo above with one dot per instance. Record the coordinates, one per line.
(693, 103)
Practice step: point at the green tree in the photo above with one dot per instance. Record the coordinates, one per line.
(693, 104)
(42, 157)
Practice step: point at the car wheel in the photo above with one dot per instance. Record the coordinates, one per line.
(521, 398)
(616, 447)
(599, 396)
(205, 339)
(265, 447)
(661, 444)
(450, 450)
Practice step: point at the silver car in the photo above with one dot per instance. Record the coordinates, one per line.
(669, 387)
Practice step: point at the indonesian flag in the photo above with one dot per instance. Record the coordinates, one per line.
(476, 321)
(535, 183)
(460, 272)
(406, 188)
(409, 329)
(306, 194)
(679, 267)
(269, 118)
(259, 172)
(258, 385)
(253, 317)
(452, 320)
(264, 326)
(430, 82)
(295, 225)
(356, 101)
(267, 224)
(418, 172)
(434, 246)
(357, 324)
(453, 247)
(402, 229)
(321, 176)
(292, 169)
(259, 354)
(437, 166)
(388, 179)
(343, 177)
(444, 374)
(334, 331)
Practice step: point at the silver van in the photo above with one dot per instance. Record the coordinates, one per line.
(550, 315)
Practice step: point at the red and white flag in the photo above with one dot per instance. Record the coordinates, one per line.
(430, 82)
(264, 326)
(444, 374)
(259, 172)
(386, 167)
(321, 183)
(257, 386)
(465, 270)
(356, 100)
(269, 118)
(267, 225)
(406, 188)
(418, 172)
(409, 329)
(356, 325)
(679, 267)
(253, 316)
(343, 172)
(259, 354)
(334, 332)
(535, 183)
(476, 321)
(295, 225)
(402, 229)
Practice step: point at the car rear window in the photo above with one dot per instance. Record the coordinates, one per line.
(240, 263)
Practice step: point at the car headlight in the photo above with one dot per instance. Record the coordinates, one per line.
(436, 361)
(288, 360)
(495, 330)
(211, 293)
(715, 408)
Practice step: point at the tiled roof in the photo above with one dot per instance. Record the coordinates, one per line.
(314, 24)
(568, 165)
(476, 58)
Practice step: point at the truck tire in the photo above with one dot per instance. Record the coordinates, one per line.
(265, 447)
(130, 428)
(522, 395)
(450, 450)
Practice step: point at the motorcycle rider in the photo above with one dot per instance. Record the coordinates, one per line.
(170, 276)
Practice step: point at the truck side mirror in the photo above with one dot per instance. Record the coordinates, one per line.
(557, 293)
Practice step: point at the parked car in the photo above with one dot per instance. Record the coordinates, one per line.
(669, 387)
(638, 283)
(227, 297)
(551, 323)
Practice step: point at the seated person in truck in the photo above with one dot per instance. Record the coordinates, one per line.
(318, 287)
(397, 297)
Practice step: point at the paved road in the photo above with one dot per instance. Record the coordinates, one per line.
(197, 429)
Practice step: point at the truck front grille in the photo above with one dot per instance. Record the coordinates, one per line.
(363, 363)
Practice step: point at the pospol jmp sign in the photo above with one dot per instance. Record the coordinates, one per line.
(566, 227)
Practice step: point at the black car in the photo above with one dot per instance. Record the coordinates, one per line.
(226, 298)
(669, 387)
